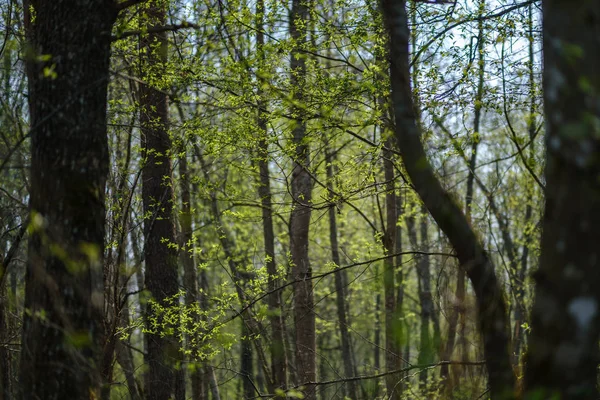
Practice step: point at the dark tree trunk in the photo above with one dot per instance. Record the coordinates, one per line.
(427, 339)
(304, 313)
(162, 380)
(563, 355)
(492, 316)
(246, 363)
(68, 76)
(377, 332)
(340, 290)
(277, 347)
(393, 324)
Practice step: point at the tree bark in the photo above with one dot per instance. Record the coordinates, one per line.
(393, 325)
(162, 380)
(342, 306)
(68, 75)
(492, 317)
(304, 314)
(563, 354)
(277, 347)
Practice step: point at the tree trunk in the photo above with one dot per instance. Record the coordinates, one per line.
(159, 228)
(125, 358)
(563, 354)
(246, 363)
(68, 76)
(239, 277)
(304, 313)
(342, 306)
(277, 346)
(190, 278)
(520, 308)
(492, 317)
(475, 139)
(393, 325)
(427, 342)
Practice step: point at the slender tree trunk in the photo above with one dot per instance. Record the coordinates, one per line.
(342, 306)
(246, 362)
(125, 358)
(277, 347)
(427, 339)
(162, 379)
(190, 277)
(475, 139)
(69, 167)
(393, 325)
(563, 354)
(520, 308)
(228, 245)
(377, 331)
(493, 322)
(212, 380)
(304, 313)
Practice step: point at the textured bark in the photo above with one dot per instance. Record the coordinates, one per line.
(563, 355)
(341, 303)
(70, 41)
(159, 227)
(304, 314)
(492, 317)
(393, 325)
(277, 347)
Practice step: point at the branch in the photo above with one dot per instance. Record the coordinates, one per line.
(382, 374)
(11, 252)
(127, 3)
(465, 21)
(156, 29)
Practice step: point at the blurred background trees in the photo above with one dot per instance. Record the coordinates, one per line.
(265, 231)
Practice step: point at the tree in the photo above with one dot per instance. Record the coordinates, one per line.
(160, 254)
(301, 182)
(67, 64)
(278, 355)
(563, 353)
(492, 317)
(271, 155)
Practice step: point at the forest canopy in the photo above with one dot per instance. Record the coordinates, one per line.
(317, 199)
